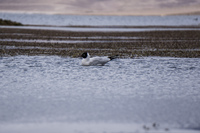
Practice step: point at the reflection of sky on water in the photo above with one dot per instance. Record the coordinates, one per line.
(92, 20)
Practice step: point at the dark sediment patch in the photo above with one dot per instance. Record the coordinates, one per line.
(183, 43)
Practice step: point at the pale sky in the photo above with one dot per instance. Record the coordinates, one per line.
(101, 7)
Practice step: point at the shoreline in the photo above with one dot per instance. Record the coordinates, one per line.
(130, 44)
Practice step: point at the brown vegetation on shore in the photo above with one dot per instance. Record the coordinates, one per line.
(181, 43)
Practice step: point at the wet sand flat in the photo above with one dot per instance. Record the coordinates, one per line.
(170, 43)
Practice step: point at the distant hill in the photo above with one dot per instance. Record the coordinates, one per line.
(9, 22)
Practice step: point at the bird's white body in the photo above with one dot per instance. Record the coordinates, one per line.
(87, 61)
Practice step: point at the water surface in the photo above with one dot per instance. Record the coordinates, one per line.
(93, 20)
(46, 89)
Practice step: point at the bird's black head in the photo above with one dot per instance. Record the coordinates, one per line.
(84, 55)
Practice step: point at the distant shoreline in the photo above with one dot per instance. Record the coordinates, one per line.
(108, 14)
(9, 23)
(120, 26)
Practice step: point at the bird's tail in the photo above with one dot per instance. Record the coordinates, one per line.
(113, 57)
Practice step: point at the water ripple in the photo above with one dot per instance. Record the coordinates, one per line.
(52, 88)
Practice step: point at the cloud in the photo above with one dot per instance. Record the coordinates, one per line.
(178, 3)
(125, 7)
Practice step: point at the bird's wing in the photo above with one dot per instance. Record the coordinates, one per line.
(99, 60)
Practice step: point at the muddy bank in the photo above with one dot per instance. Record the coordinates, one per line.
(181, 43)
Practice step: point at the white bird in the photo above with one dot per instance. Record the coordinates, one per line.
(87, 61)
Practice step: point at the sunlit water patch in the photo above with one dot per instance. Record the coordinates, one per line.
(144, 90)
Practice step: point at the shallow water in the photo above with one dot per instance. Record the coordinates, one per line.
(66, 41)
(70, 20)
(79, 29)
(45, 89)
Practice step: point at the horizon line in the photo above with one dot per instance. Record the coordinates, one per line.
(103, 14)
